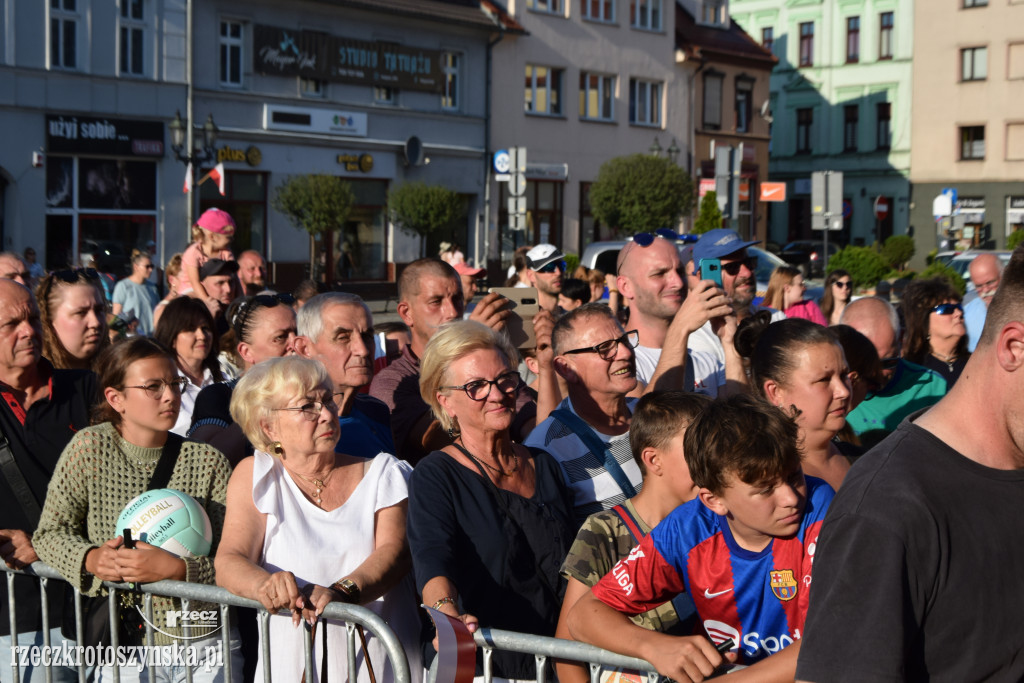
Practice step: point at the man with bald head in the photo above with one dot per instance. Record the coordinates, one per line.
(907, 388)
(985, 272)
(41, 410)
(252, 272)
(666, 315)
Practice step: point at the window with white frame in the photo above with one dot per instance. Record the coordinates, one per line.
(713, 12)
(132, 37)
(450, 67)
(598, 10)
(645, 14)
(384, 95)
(547, 6)
(597, 97)
(644, 102)
(974, 64)
(543, 93)
(64, 34)
(231, 53)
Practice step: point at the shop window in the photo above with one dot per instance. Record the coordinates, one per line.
(132, 45)
(544, 200)
(64, 34)
(245, 198)
(597, 97)
(450, 62)
(644, 102)
(972, 143)
(116, 184)
(543, 93)
(598, 10)
(231, 53)
(358, 250)
(645, 14)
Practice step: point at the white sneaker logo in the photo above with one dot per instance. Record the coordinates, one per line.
(708, 594)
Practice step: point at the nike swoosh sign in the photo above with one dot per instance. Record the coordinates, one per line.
(769, 193)
(709, 594)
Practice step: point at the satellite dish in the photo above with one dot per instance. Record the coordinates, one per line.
(766, 111)
(413, 151)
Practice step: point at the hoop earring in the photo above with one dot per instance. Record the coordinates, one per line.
(277, 448)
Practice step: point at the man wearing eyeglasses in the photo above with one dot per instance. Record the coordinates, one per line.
(588, 433)
(985, 272)
(666, 315)
(907, 388)
(41, 410)
(545, 265)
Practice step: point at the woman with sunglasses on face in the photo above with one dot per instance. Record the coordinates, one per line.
(263, 327)
(107, 465)
(838, 293)
(187, 328)
(936, 336)
(74, 315)
(489, 519)
(136, 295)
(307, 526)
(799, 366)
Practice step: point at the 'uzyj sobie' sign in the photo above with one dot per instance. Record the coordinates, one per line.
(285, 52)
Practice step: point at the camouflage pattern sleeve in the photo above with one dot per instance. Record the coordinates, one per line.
(601, 542)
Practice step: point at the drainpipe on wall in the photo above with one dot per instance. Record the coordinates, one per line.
(693, 120)
(487, 154)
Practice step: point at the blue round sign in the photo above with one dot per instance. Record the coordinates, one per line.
(502, 161)
(847, 208)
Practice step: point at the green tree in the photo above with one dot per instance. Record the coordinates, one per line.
(1015, 238)
(423, 209)
(639, 193)
(864, 264)
(897, 250)
(710, 216)
(316, 203)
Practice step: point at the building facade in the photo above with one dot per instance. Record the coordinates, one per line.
(840, 101)
(730, 79)
(968, 132)
(378, 93)
(586, 82)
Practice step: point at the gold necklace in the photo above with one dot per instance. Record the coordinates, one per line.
(319, 484)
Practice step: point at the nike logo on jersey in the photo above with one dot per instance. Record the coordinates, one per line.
(708, 594)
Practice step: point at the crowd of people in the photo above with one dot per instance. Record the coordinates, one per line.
(658, 467)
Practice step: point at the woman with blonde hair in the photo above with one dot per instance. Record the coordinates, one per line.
(135, 295)
(489, 520)
(786, 293)
(171, 271)
(307, 526)
(73, 311)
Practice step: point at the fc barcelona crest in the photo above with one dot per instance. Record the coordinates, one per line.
(783, 584)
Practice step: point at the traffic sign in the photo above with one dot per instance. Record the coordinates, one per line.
(881, 208)
(773, 192)
(827, 200)
(942, 206)
(847, 209)
(502, 161)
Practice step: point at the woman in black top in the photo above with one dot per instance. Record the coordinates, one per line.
(489, 520)
(936, 336)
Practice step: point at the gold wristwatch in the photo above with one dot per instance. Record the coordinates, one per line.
(348, 589)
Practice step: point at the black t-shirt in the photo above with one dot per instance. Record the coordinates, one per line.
(919, 571)
(38, 437)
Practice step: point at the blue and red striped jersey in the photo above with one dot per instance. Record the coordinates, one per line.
(759, 599)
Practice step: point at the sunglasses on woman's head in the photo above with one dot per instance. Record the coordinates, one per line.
(72, 274)
(947, 309)
(646, 239)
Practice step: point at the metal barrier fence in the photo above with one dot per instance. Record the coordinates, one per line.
(352, 615)
(489, 640)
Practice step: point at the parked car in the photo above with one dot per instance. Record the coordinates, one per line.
(806, 255)
(603, 256)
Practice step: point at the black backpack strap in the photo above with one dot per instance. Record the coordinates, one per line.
(165, 466)
(16, 480)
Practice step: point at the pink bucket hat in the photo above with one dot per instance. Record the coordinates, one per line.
(217, 220)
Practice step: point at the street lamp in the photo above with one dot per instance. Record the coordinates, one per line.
(179, 141)
(655, 148)
(673, 151)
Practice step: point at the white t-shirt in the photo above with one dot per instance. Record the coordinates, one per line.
(708, 371)
(706, 341)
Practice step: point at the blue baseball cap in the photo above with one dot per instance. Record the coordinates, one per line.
(718, 243)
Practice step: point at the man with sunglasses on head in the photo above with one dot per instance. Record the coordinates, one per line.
(907, 387)
(665, 314)
(41, 410)
(545, 268)
(588, 433)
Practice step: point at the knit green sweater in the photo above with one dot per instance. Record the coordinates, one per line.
(97, 475)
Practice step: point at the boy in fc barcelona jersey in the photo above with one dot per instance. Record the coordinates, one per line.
(743, 550)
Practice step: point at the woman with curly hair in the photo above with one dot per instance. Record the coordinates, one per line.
(936, 336)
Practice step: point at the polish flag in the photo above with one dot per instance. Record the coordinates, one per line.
(188, 179)
(217, 174)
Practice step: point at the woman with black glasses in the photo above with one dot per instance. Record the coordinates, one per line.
(936, 336)
(489, 519)
(136, 295)
(838, 293)
(74, 315)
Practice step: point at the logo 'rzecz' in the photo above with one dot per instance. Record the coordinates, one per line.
(783, 584)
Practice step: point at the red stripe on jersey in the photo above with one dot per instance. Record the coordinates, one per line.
(639, 582)
(800, 560)
(712, 587)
